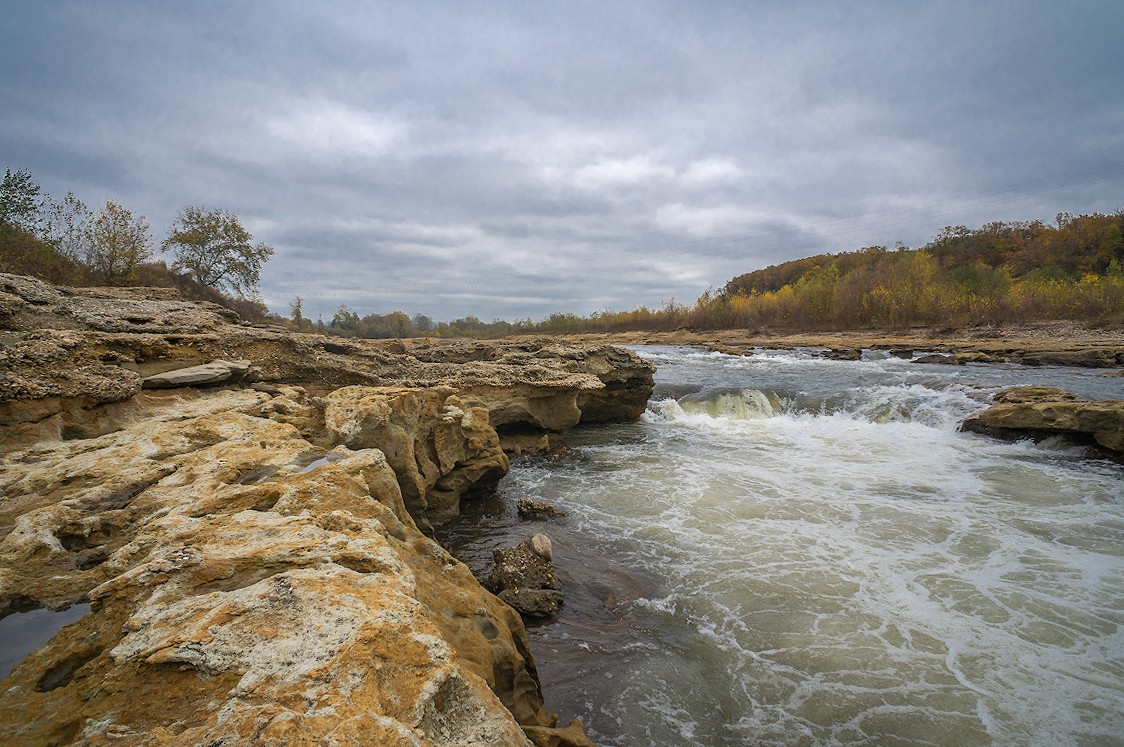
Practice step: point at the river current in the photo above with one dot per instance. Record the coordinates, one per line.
(790, 550)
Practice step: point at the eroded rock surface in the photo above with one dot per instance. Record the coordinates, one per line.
(251, 556)
(524, 578)
(533, 510)
(247, 585)
(63, 353)
(1033, 411)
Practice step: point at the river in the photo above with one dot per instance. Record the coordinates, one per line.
(790, 550)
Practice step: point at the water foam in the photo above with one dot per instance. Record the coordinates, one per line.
(841, 566)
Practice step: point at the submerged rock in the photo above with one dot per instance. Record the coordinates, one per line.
(1038, 411)
(531, 509)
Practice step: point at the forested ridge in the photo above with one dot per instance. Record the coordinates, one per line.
(1001, 272)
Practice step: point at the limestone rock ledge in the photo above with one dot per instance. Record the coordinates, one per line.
(250, 587)
(252, 556)
(1031, 411)
(63, 355)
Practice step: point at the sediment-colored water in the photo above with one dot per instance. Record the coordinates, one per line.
(790, 550)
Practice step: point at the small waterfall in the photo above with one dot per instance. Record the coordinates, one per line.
(744, 404)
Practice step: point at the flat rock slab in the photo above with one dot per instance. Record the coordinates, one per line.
(1035, 410)
(215, 372)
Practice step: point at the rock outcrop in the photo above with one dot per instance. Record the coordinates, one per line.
(440, 448)
(1037, 411)
(524, 578)
(251, 555)
(64, 354)
(533, 510)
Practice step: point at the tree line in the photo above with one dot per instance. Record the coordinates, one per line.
(1002, 272)
(1020, 271)
(64, 241)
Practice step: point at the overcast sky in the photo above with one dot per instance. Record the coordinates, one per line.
(509, 160)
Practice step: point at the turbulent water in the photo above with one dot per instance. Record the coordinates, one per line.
(790, 550)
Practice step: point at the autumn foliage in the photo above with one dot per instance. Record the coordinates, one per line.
(1002, 272)
(999, 273)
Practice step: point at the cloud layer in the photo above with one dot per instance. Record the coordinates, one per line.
(512, 160)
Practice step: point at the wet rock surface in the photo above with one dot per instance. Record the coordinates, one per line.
(524, 578)
(251, 557)
(1038, 411)
(532, 510)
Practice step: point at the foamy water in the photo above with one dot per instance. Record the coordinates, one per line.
(809, 552)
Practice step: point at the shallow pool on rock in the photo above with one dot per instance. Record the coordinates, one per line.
(23, 632)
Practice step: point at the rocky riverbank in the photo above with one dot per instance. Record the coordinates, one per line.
(253, 546)
(1060, 343)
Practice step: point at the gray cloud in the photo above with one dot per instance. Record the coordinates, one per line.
(511, 160)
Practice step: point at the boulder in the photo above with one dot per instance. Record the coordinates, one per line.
(215, 372)
(524, 578)
(533, 510)
(1033, 412)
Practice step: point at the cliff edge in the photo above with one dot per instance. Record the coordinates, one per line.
(252, 544)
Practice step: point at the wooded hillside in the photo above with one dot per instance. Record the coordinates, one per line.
(1001, 272)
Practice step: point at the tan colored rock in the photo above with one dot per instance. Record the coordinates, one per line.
(1035, 411)
(542, 547)
(254, 573)
(246, 585)
(1030, 394)
(66, 352)
(439, 447)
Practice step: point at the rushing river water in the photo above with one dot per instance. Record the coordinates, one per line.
(788, 550)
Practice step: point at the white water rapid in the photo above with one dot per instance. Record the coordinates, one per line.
(789, 550)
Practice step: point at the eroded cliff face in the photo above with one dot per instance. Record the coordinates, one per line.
(252, 557)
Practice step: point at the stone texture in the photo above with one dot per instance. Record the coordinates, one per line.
(65, 353)
(524, 578)
(215, 372)
(439, 447)
(252, 556)
(242, 592)
(1081, 358)
(1023, 412)
(532, 510)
